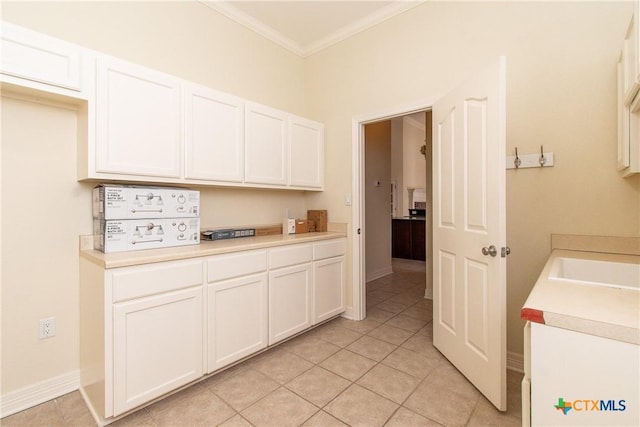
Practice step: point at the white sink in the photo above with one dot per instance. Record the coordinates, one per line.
(601, 273)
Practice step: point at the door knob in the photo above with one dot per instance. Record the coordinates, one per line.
(491, 250)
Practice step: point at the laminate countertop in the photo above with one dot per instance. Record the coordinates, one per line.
(205, 248)
(605, 311)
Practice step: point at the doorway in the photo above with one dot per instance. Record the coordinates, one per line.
(359, 199)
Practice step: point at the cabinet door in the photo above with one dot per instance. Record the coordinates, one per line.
(265, 145)
(138, 128)
(237, 319)
(214, 135)
(289, 301)
(36, 57)
(306, 153)
(328, 288)
(157, 346)
(401, 238)
(418, 240)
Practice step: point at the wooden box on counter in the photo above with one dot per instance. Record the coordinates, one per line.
(319, 218)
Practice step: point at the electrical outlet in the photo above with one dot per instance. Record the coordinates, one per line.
(47, 327)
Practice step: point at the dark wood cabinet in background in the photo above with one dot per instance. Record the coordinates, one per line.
(408, 239)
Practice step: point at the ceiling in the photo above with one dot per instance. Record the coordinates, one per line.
(308, 26)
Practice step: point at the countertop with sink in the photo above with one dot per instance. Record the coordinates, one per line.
(596, 293)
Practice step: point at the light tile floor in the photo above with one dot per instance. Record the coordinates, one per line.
(380, 371)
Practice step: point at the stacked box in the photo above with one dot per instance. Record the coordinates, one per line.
(130, 218)
(131, 202)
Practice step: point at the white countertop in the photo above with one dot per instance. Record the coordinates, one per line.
(205, 248)
(596, 310)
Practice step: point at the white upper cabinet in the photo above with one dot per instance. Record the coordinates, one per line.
(306, 153)
(266, 144)
(139, 116)
(37, 61)
(138, 124)
(214, 135)
(628, 160)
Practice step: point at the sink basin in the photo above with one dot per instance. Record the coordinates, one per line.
(593, 272)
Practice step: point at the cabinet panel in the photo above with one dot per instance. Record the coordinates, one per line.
(214, 135)
(138, 129)
(328, 288)
(408, 239)
(418, 240)
(237, 319)
(289, 301)
(265, 145)
(306, 153)
(329, 249)
(222, 267)
(33, 56)
(290, 255)
(157, 346)
(401, 239)
(144, 280)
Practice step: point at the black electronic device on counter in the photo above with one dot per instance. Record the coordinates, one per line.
(231, 233)
(417, 212)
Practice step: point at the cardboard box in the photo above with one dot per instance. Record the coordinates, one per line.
(119, 235)
(319, 218)
(302, 226)
(112, 201)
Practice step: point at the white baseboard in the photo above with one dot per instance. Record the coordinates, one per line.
(38, 393)
(348, 313)
(515, 362)
(373, 275)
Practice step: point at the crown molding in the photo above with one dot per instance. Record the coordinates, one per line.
(375, 18)
(253, 24)
(371, 20)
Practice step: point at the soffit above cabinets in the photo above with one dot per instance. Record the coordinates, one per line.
(306, 27)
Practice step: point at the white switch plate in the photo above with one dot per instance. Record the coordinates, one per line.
(347, 199)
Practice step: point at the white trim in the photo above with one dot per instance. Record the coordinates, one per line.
(38, 393)
(227, 9)
(357, 219)
(359, 293)
(363, 24)
(348, 313)
(242, 18)
(515, 362)
(379, 273)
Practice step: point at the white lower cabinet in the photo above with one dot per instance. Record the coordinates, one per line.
(289, 301)
(149, 329)
(157, 346)
(328, 279)
(328, 288)
(236, 307)
(141, 332)
(237, 319)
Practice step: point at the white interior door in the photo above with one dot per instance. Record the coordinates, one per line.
(469, 230)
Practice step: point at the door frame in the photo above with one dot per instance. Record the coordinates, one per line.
(359, 305)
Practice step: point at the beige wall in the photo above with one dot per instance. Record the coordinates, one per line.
(377, 228)
(44, 208)
(560, 93)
